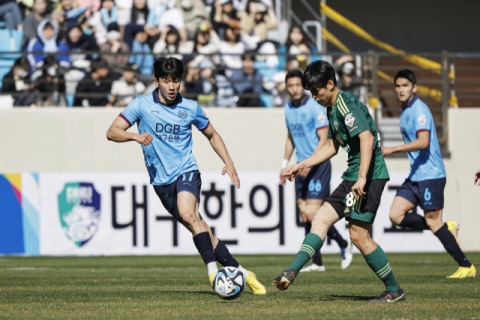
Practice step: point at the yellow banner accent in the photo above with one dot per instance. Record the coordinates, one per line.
(334, 40)
(344, 22)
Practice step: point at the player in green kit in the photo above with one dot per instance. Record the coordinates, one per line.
(358, 196)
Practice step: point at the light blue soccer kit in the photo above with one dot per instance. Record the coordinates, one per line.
(303, 122)
(169, 158)
(427, 178)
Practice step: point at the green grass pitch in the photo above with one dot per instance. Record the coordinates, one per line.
(177, 287)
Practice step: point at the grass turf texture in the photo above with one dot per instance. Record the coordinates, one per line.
(177, 286)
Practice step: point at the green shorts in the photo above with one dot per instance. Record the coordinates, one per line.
(345, 204)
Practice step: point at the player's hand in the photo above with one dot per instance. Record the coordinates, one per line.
(477, 178)
(282, 177)
(387, 151)
(230, 170)
(358, 188)
(291, 172)
(144, 138)
(304, 172)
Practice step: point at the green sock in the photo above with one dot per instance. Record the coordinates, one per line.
(377, 260)
(310, 245)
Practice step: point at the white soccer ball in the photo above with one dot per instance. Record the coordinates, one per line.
(229, 283)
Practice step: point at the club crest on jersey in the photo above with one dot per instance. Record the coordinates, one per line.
(422, 119)
(349, 120)
(321, 116)
(182, 114)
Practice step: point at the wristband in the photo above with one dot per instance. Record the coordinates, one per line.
(285, 163)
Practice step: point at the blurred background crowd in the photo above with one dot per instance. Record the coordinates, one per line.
(100, 53)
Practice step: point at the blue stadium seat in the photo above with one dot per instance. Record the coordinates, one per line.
(8, 59)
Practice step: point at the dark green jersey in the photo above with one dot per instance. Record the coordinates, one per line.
(347, 119)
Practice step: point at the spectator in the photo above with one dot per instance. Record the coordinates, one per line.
(248, 83)
(39, 12)
(78, 42)
(127, 88)
(67, 13)
(46, 41)
(267, 61)
(257, 19)
(224, 15)
(205, 41)
(347, 79)
(279, 92)
(98, 83)
(49, 84)
(103, 18)
(232, 49)
(139, 13)
(192, 86)
(298, 47)
(141, 54)
(216, 89)
(169, 43)
(10, 13)
(163, 15)
(17, 83)
(113, 46)
(194, 14)
(124, 12)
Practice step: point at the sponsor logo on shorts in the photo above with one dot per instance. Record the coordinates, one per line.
(79, 210)
(422, 119)
(349, 120)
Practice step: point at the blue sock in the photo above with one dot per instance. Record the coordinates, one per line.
(414, 221)
(333, 234)
(224, 257)
(204, 246)
(450, 244)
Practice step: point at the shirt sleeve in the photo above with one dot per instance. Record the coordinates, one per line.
(423, 119)
(131, 113)
(320, 115)
(201, 121)
(355, 119)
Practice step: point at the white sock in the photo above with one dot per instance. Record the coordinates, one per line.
(212, 267)
(244, 271)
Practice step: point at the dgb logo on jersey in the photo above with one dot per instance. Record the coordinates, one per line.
(79, 210)
(182, 114)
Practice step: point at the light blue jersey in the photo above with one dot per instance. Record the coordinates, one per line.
(303, 122)
(170, 153)
(426, 164)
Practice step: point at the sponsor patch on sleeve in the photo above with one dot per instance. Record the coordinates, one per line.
(349, 120)
(321, 116)
(422, 119)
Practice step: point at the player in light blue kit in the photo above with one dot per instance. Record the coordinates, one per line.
(426, 182)
(164, 119)
(307, 125)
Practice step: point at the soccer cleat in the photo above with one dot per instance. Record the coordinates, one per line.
(313, 267)
(211, 277)
(347, 256)
(284, 280)
(390, 296)
(464, 272)
(254, 284)
(453, 227)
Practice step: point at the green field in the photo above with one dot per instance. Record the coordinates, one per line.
(178, 287)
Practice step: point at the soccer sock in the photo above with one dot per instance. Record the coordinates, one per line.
(308, 226)
(310, 245)
(225, 258)
(450, 244)
(377, 260)
(414, 221)
(204, 246)
(335, 235)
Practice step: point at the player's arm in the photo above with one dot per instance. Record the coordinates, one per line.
(219, 146)
(327, 151)
(422, 142)
(289, 147)
(118, 133)
(366, 146)
(477, 178)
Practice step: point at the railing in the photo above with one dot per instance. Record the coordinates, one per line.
(456, 84)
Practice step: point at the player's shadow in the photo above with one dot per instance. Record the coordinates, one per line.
(195, 292)
(335, 297)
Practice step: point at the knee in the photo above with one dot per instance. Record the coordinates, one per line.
(359, 240)
(396, 218)
(434, 223)
(190, 219)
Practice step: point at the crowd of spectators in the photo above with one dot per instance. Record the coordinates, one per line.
(100, 52)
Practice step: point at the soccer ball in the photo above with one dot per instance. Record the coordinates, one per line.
(229, 283)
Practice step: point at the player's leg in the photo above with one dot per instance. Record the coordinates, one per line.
(322, 221)
(440, 230)
(308, 208)
(360, 233)
(406, 200)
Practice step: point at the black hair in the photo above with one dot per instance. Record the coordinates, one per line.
(175, 32)
(168, 67)
(295, 73)
(251, 56)
(135, 11)
(98, 64)
(317, 74)
(289, 42)
(406, 74)
(113, 27)
(23, 63)
(48, 25)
